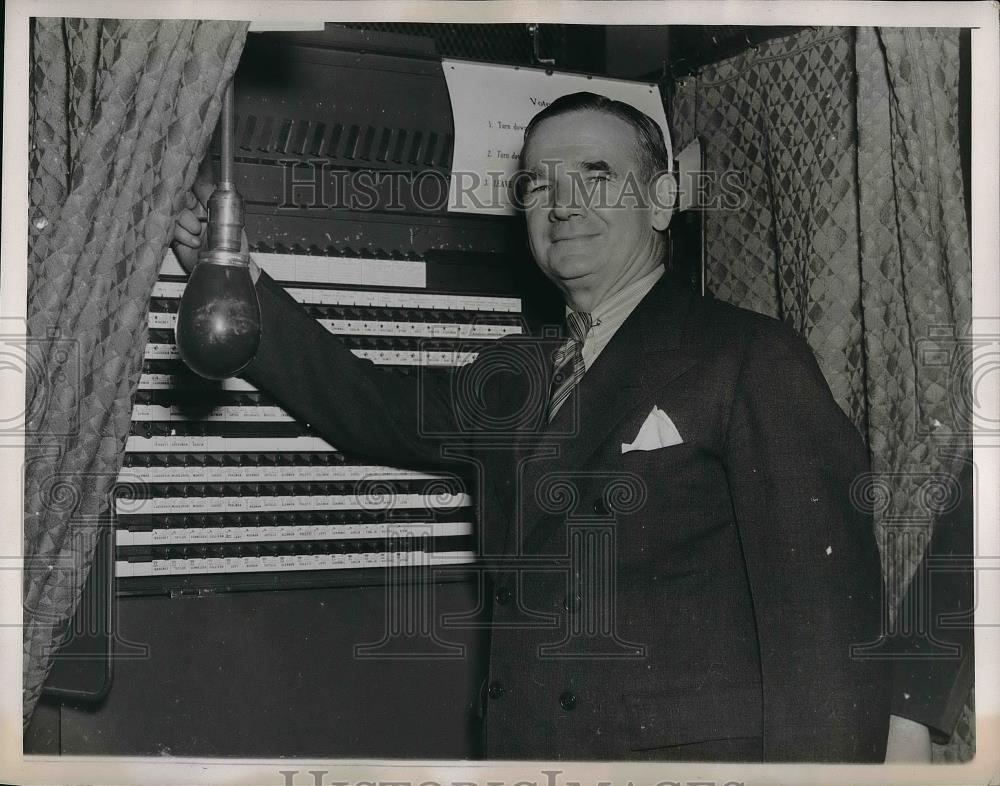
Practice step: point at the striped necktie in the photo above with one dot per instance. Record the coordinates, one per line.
(568, 359)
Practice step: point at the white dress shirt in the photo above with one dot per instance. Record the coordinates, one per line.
(612, 313)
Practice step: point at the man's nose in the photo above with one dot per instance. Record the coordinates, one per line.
(567, 202)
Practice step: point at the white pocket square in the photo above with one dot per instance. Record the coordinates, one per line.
(658, 431)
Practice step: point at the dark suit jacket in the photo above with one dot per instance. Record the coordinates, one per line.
(932, 643)
(698, 601)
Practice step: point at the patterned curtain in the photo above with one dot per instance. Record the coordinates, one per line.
(122, 111)
(849, 224)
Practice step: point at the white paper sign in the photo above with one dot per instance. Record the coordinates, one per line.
(492, 105)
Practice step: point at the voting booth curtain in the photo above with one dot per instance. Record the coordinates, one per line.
(121, 113)
(848, 221)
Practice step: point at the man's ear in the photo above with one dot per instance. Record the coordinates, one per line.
(663, 191)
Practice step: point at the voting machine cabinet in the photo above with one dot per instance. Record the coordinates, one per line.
(264, 594)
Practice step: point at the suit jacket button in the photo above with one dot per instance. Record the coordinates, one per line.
(567, 701)
(503, 595)
(496, 689)
(600, 508)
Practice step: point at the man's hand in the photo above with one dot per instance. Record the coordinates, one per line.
(189, 231)
(909, 742)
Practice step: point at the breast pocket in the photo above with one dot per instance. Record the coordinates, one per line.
(682, 451)
(678, 474)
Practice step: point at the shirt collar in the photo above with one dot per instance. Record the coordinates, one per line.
(612, 312)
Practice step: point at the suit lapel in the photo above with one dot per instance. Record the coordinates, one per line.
(646, 353)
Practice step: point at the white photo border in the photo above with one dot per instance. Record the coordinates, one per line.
(15, 767)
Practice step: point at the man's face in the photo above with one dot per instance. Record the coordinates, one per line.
(587, 206)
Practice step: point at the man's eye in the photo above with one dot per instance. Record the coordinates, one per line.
(537, 188)
(598, 177)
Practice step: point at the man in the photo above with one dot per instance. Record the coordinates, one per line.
(678, 571)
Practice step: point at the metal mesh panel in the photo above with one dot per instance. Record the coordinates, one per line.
(488, 43)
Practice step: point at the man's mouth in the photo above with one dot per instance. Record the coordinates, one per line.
(570, 237)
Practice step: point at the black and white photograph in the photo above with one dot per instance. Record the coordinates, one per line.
(492, 393)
